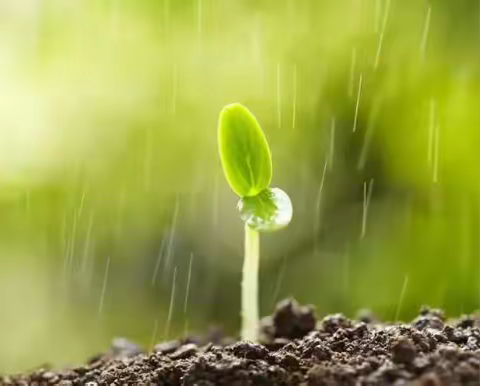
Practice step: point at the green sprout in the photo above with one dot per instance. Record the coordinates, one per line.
(247, 164)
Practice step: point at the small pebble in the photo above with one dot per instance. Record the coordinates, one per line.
(249, 350)
(403, 350)
(185, 351)
(167, 347)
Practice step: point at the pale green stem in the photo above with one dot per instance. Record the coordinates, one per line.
(250, 285)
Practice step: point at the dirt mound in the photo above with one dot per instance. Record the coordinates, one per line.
(295, 349)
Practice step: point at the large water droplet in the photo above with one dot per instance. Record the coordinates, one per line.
(268, 211)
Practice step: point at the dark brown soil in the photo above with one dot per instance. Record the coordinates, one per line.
(295, 350)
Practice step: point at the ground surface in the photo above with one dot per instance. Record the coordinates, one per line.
(297, 350)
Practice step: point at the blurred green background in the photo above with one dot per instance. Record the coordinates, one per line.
(110, 180)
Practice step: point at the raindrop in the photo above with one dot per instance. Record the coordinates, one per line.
(316, 225)
(65, 242)
(154, 334)
(279, 98)
(187, 291)
(71, 245)
(104, 287)
(332, 144)
(402, 296)
(426, 28)
(157, 263)
(382, 33)
(269, 210)
(367, 195)
(169, 255)
(82, 202)
(86, 247)
(372, 122)
(170, 307)
(278, 284)
(357, 105)
(320, 189)
(294, 107)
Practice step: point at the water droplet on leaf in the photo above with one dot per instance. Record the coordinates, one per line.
(269, 210)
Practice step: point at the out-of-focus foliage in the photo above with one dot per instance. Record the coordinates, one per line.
(110, 180)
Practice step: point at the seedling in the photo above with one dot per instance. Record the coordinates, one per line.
(247, 164)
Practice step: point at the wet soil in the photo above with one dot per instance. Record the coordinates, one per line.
(295, 349)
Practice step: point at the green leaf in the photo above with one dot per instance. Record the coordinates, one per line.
(244, 151)
(268, 211)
